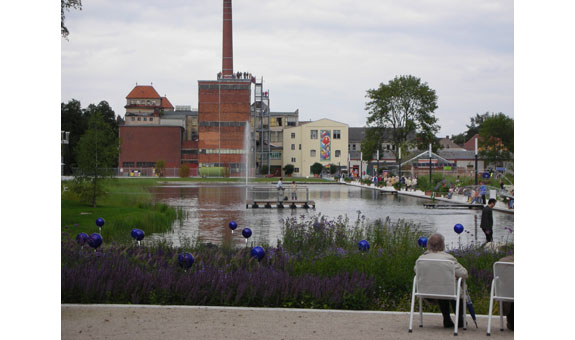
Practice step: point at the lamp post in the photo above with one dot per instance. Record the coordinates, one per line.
(399, 168)
(476, 161)
(430, 183)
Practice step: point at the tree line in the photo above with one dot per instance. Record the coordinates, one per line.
(93, 146)
(405, 107)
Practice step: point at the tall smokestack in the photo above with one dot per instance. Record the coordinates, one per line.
(228, 50)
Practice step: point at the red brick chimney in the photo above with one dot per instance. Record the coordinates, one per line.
(228, 50)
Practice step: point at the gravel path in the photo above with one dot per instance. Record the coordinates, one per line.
(140, 322)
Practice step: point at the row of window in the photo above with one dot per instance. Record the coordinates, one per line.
(222, 151)
(139, 164)
(388, 147)
(314, 135)
(145, 119)
(313, 152)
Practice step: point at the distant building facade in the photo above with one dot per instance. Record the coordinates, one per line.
(324, 141)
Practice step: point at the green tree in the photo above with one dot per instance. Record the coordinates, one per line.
(404, 105)
(496, 138)
(66, 5)
(73, 120)
(288, 169)
(160, 168)
(316, 168)
(104, 109)
(97, 152)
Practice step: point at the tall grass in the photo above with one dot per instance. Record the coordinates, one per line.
(127, 205)
(317, 265)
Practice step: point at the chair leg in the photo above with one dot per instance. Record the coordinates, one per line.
(412, 307)
(501, 315)
(490, 308)
(420, 312)
(457, 311)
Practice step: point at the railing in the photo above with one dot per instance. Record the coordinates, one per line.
(287, 194)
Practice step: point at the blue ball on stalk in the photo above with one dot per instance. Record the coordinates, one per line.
(258, 252)
(95, 240)
(100, 222)
(185, 260)
(363, 245)
(233, 225)
(422, 241)
(247, 233)
(458, 228)
(82, 238)
(138, 234)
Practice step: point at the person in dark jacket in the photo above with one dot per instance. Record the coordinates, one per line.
(487, 220)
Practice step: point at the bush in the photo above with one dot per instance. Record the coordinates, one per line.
(316, 168)
(288, 169)
(184, 171)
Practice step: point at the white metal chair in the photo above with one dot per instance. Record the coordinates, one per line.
(435, 279)
(501, 289)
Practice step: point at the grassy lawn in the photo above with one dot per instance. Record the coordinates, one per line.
(127, 205)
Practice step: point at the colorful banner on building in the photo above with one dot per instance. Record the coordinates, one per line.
(325, 145)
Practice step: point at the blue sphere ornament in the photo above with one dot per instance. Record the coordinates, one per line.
(233, 225)
(137, 234)
(95, 240)
(458, 228)
(363, 245)
(422, 241)
(258, 252)
(100, 222)
(82, 238)
(246, 232)
(185, 260)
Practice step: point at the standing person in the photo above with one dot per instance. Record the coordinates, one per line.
(487, 220)
(483, 192)
(501, 186)
(436, 251)
(293, 191)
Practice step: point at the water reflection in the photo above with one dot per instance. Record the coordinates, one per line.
(211, 207)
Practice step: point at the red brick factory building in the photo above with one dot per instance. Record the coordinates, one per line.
(211, 136)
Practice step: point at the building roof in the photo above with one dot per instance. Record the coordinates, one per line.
(447, 143)
(451, 154)
(166, 104)
(143, 92)
(470, 144)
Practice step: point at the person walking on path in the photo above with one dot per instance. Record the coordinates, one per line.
(483, 192)
(281, 189)
(487, 220)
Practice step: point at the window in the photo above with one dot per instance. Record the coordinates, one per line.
(293, 135)
(337, 153)
(139, 119)
(313, 134)
(353, 147)
(336, 134)
(133, 118)
(296, 170)
(312, 153)
(151, 119)
(145, 119)
(279, 121)
(293, 159)
(300, 146)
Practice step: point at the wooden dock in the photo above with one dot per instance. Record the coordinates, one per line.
(454, 206)
(279, 204)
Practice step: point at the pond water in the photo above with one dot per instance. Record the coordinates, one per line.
(210, 207)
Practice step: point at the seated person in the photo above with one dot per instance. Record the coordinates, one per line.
(436, 251)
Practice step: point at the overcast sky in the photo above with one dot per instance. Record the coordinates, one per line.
(316, 56)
